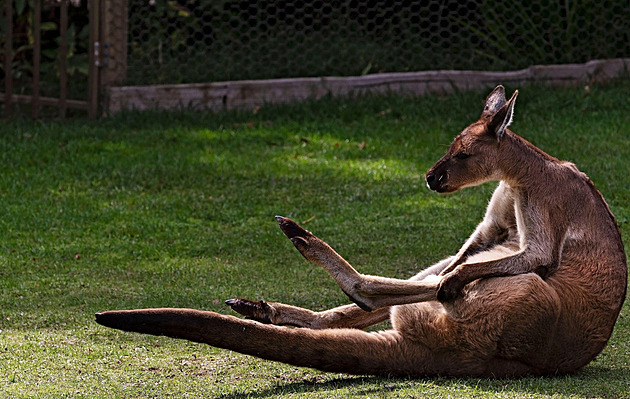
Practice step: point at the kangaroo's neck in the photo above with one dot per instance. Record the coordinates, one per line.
(520, 161)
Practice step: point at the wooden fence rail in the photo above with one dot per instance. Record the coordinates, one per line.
(248, 94)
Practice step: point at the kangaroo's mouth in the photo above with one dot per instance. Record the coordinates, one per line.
(443, 189)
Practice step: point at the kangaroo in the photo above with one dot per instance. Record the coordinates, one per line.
(535, 290)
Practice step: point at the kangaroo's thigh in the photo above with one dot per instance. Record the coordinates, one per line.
(347, 316)
(507, 317)
(517, 313)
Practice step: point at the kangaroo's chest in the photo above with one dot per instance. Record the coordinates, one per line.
(520, 224)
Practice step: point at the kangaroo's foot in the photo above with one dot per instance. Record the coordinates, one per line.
(320, 253)
(314, 249)
(292, 229)
(255, 310)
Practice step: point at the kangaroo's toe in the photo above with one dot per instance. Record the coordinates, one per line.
(292, 229)
(256, 310)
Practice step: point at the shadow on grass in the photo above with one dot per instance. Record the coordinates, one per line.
(372, 384)
(593, 381)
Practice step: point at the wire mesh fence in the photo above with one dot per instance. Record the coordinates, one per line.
(111, 43)
(187, 41)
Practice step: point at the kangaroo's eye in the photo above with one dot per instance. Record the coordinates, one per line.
(461, 155)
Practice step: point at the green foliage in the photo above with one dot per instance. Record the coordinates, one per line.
(176, 209)
(22, 48)
(523, 33)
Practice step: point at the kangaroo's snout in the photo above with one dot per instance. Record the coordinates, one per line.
(436, 181)
(431, 180)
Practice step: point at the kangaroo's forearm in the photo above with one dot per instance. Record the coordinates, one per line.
(481, 240)
(520, 263)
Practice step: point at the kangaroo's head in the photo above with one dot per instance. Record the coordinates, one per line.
(472, 157)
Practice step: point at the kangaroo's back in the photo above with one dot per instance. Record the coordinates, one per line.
(591, 281)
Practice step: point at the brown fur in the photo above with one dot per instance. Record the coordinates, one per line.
(535, 290)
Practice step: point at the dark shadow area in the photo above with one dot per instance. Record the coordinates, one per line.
(592, 381)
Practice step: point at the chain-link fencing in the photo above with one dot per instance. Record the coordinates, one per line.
(188, 41)
(154, 42)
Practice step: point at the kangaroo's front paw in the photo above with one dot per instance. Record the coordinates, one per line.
(450, 287)
(449, 269)
(256, 310)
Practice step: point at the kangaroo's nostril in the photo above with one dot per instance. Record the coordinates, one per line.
(430, 178)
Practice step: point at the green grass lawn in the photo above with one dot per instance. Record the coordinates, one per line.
(177, 209)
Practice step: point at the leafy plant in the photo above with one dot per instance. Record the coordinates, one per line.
(23, 42)
(522, 33)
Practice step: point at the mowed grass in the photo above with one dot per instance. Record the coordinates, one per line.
(176, 209)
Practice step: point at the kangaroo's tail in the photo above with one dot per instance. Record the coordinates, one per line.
(336, 350)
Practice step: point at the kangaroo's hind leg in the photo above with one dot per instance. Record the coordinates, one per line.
(384, 292)
(368, 292)
(347, 316)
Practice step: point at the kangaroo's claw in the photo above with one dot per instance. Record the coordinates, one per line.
(260, 311)
(291, 229)
(300, 237)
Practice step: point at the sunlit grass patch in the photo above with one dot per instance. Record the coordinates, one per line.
(177, 209)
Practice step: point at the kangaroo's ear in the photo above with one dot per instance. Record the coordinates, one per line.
(502, 118)
(494, 102)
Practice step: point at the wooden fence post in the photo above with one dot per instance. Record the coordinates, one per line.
(63, 54)
(114, 23)
(8, 58)
(93, 57)
(37, 51)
